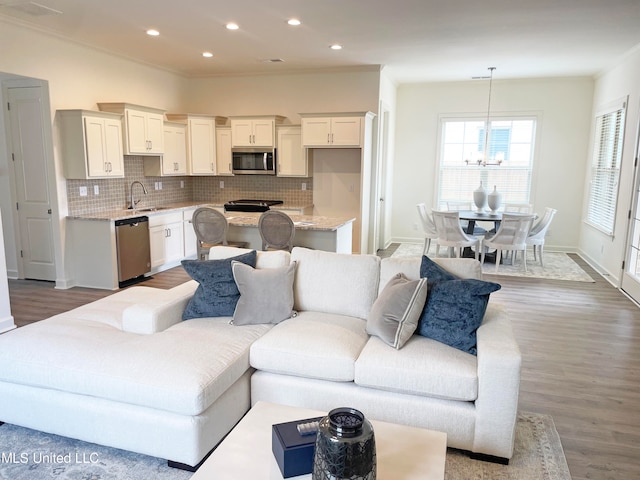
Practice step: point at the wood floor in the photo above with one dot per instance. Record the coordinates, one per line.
(580, 345)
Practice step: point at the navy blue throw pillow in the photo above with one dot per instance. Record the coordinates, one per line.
(217, 292)
(454, 308)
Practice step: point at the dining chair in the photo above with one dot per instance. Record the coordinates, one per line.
(538, 233)
(518, 208)
(277, 230)
(459, 206)
(428, 228)
(211, 226)
(511, 236)
(450, 233)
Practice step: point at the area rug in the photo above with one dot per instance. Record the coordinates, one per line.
(538, 455)
(557, 265)
(31, 455)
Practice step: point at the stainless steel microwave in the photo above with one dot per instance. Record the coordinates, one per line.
(253, 161)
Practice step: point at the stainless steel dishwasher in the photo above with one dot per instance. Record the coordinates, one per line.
(134, 257)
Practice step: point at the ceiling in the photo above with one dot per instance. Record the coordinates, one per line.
(415, 40)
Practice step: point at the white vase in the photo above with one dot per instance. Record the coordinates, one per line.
(494, 199)
(480, 198)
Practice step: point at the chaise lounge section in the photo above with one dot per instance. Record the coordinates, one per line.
(126, 371)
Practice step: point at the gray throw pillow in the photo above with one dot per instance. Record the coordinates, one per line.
(266, 294)
(395, 314)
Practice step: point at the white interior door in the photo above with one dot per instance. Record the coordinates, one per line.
(27, 147)
(631, 271)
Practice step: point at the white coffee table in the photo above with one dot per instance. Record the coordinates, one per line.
(403, 453)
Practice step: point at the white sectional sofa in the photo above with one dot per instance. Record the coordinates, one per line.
(128, 372)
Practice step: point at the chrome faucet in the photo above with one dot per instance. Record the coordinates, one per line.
(133, 203)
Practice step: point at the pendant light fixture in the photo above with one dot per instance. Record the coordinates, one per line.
(487, 127)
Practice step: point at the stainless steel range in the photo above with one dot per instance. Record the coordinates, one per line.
(245, 205)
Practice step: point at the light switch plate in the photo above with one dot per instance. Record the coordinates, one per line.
(83, 191)
(221, 183)
(96, 190)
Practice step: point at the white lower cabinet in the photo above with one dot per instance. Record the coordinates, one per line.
(166, 237)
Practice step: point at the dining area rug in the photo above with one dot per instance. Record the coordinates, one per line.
(29, 454)
(557, 265)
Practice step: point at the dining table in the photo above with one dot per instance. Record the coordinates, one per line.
(472, 217)
(475, 216)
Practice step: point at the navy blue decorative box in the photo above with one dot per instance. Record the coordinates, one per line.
(293, 452)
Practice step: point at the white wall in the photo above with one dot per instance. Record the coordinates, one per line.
(564, 107)
(287, 94)
(604, 252)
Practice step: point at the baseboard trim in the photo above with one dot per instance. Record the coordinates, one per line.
(7, 324)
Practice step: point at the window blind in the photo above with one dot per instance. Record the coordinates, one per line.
(605, 169)
(511, 141)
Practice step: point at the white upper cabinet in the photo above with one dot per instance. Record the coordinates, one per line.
(174, 160)
(91, 144)
(291, 156)
(332, 130)
(254, 131)
(223, 151)
(201, 141)
(143, 128)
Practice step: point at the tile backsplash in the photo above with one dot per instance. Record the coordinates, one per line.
(113, 194)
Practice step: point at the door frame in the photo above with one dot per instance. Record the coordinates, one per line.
(43, 85)
(632, 290)
(380, 184)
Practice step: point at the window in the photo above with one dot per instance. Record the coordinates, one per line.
(508, 166)
(605, 168)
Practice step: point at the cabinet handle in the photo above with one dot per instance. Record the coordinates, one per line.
(229, 167)
(328, 138)
(332, 138)
(212, 166)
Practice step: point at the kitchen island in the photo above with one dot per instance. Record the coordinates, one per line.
(333, 234)
(93, 251)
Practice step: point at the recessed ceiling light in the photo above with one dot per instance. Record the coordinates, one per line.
(232, 26)
(207, 54)
(336, 47)
(294, 22)
(152, 32)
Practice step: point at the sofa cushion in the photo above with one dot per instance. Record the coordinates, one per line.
(410, 268)
(395, 313)
(268, 259)
(313, 345)
(154, 313)
(454, 308)
(422, 367)
(217, 292)
(266, 295)
(335, 282)
(183, 369)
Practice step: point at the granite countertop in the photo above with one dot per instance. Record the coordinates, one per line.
(302, 222)
(239, 219)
